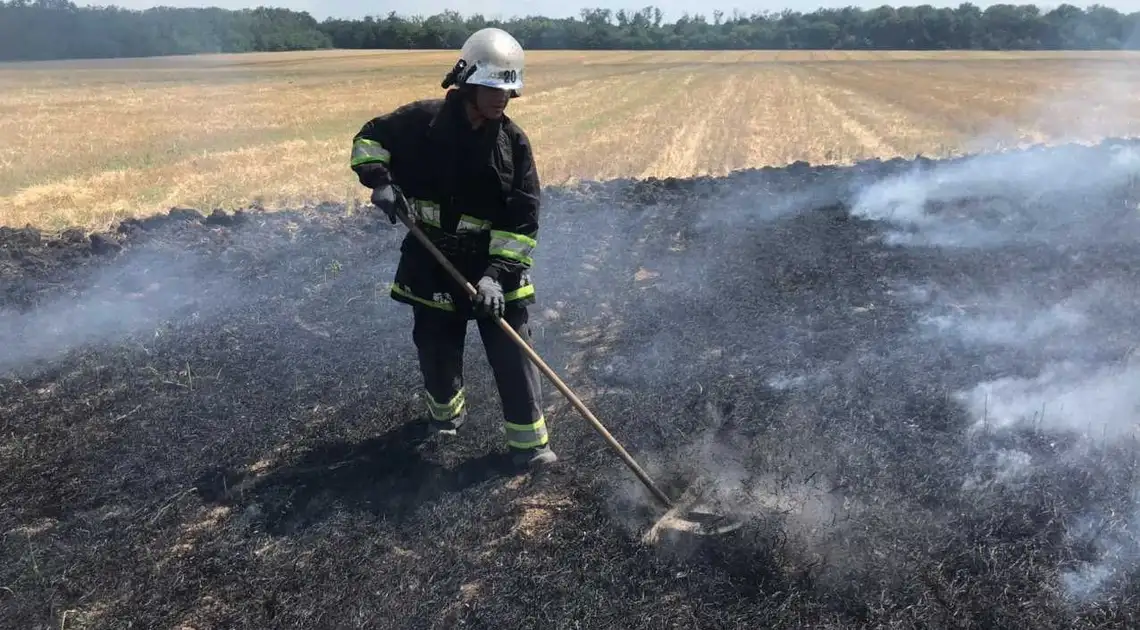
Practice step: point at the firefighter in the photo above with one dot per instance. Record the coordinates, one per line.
(468, 173)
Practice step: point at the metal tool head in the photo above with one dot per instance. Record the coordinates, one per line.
(690, 517)
(700, 521)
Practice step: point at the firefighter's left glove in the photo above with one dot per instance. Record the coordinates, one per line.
(384, 197)
(489, 298)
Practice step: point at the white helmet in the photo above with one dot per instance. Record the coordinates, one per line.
(490, 57)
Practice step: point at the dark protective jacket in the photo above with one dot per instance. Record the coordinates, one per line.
(474, 192)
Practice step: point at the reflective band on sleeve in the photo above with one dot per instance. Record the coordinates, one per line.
(519, 293)
(514, 246)
(448, 410)
(365, 151)
(527, 435)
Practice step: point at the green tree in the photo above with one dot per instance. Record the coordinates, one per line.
(58, 29)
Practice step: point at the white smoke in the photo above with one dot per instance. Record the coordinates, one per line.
(1100, 403)
(134, 294)
(137, 295)
(940, 206)
(1115, 540)
(1066, 365)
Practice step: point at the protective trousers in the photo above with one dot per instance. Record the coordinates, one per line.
(439, 337)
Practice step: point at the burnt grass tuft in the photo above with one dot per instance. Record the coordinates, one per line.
(210, 421)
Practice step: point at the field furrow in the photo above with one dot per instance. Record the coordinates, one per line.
(807, 126)
(866, 141)
(1016, 102)
(884, 128)
(682, 150)
(622, 129)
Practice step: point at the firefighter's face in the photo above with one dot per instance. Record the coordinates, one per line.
(490, 102)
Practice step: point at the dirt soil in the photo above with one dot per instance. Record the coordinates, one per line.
(211, 421)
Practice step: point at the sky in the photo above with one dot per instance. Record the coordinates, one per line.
(672, 9)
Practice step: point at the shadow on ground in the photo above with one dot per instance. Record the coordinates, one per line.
(389, 477)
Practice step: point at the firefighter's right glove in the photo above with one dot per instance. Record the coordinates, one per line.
(489, 298)
(384, 197)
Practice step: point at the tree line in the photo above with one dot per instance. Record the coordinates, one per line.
(58, 29)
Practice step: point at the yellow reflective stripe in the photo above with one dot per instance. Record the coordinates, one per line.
(365, 151)
(404, 292)
(527, 435)
(519, 293)
(518, 247)
(448, 410)
(429, 213)
(468, 223)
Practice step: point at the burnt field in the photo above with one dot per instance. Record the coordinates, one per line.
(916, 379)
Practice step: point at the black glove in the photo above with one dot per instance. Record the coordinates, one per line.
(489, 299)
(384, 197)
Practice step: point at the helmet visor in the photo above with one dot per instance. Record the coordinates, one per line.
(496, 77)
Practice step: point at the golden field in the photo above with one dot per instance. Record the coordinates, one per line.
(87, 143)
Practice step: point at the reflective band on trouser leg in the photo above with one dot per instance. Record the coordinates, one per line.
(448, 410)
(525, 436)
(365, 151)
(518, 247)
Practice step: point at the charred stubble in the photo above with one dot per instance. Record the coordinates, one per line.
(215, 432)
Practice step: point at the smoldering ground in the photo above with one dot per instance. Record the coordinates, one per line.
(1055, 324)
(255, 466)
(1002, 320)
(961, 360)
(1057, 327)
